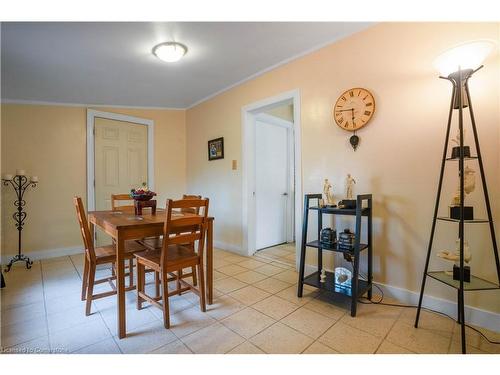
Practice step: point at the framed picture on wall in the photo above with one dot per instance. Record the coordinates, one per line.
(216, 149)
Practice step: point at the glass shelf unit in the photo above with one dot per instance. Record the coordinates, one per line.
(474, 221)
(476, 283)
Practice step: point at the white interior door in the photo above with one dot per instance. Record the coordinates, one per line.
(272, 190)
(121, 160)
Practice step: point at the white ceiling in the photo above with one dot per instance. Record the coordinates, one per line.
(111, 63)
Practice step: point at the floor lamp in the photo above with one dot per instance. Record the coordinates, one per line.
(457, 65)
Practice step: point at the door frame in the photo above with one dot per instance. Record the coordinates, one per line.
(290, 208)
(248, 117)
(91, 116)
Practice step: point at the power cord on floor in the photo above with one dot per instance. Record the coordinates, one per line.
(379, 302)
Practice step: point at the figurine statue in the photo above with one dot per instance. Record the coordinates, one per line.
(322, 276)
(469, 185)
(327, 194)
(456, 140)
(350, 186)
(454, 256)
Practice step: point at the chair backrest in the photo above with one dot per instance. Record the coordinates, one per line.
(185, 228)
(121, 198)
(195, 210)
(84, 228)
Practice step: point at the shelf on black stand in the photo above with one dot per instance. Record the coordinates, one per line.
(476, 283)
(341, 211)
(458, 159)
(336, 292)
(318, 245)
(330, 285)
(474, 221)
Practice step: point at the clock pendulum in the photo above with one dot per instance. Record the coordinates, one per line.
(353, 110)
(354, 141)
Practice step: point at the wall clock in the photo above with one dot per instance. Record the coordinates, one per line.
(354, 109)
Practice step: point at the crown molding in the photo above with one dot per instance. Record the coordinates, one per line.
(48, 103)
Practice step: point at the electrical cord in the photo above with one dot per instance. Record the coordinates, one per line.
(379, 302)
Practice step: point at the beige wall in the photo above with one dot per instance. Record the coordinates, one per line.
(284, 112)
(50, 142)
(399, 155)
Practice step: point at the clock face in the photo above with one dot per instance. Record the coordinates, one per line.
(354, 109)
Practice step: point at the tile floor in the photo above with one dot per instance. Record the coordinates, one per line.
(284, 253)
(256, 310)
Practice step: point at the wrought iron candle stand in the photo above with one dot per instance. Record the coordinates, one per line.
(20, 183)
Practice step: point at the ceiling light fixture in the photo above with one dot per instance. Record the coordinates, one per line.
(169, 51)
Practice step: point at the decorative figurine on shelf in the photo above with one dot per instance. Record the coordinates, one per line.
(328, 236)
(349, 202)
(469, 187)
(343, 277)
(20, 182)
(327, 194)
(322, 276)
(454, 256)
(455, 151)
(350, 186)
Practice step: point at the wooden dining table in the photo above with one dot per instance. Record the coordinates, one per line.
(123, 226)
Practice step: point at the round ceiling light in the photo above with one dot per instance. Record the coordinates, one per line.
(170, 51)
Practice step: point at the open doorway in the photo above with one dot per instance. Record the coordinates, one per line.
(271, 174)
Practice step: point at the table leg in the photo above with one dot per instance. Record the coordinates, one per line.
(120, 286)
(210, 262)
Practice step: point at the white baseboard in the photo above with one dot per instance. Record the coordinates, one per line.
(473, 315)
(45, 254)
(229, 247)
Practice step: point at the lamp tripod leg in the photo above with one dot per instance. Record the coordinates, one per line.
(436, 208)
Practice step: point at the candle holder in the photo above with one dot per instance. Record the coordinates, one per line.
(20, 183)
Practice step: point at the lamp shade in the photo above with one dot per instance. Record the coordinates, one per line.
(469, 55)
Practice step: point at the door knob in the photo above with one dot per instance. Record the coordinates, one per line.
(285, 193)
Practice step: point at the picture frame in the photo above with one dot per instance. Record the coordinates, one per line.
(216, 149)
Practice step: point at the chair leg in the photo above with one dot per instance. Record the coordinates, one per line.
(201, 279)
(178, 282)
(195, 278)
(140, 283)
(166, 310)
(157, 284)
(130, 272)
(85, 277)
(90, 288)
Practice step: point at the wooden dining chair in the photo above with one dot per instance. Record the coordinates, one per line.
(156, 243)
(181, 232)
(116, 199)
(99, 255)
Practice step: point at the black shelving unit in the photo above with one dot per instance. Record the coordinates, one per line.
(358, 286)
(460, 99)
